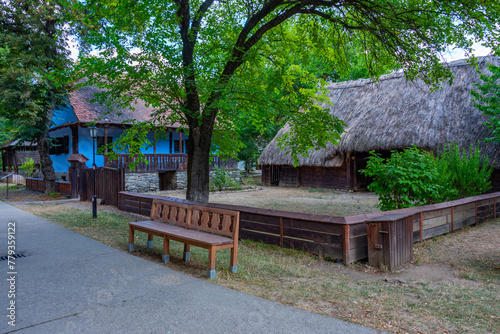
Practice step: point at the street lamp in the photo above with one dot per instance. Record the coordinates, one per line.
(93, 135)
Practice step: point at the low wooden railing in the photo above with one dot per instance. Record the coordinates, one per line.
(35, 184)
(167, 162)
(344, 238)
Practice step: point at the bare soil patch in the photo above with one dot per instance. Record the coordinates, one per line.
(306, 200)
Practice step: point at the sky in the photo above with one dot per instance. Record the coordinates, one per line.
(450, 55)
(479, 51)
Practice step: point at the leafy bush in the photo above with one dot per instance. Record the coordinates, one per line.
(468, 173)
(28, 166)
(222, 179)
(407, 178)
(415, 177)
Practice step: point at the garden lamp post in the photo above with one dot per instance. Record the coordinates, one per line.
(93, 135)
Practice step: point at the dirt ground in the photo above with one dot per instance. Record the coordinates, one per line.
(306, 200)
(20, 194)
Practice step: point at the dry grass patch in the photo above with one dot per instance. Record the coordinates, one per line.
(434, 296)
(306, 200)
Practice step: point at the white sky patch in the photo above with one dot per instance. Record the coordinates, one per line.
(455, 54)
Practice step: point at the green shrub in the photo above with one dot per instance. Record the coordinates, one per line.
(468, 173)
(28, 166)
(223, 180)
(415, 177)
(55, 194)
(407, 178)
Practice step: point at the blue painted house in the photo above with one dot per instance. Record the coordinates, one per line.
(71, 130)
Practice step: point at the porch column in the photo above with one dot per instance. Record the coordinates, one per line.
(154, 142)
(105, 139)
(180, 143)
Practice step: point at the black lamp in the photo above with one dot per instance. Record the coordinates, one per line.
(93, 135)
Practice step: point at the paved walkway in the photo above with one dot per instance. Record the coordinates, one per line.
(68, 283)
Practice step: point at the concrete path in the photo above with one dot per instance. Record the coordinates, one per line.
(68, 283)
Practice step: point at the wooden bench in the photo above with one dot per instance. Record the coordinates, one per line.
(200, 226)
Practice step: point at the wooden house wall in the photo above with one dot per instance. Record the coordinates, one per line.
(266, 175)
(323, 177)
(495, 180)
(306, 176)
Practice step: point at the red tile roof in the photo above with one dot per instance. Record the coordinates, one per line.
(87, 111)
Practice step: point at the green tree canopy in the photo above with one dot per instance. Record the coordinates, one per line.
(196, 61)
(33, 58)
(487, 99)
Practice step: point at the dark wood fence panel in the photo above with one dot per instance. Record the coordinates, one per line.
(108, 183)
(62, 187)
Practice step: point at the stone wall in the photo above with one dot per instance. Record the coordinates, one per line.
(180, 178)
(141, 182)
(144, 182)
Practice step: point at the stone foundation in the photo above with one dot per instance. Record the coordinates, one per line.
(144, 182)
(141, 182)
(180, 178)
(62, 176)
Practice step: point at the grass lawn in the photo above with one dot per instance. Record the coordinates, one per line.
(454, 287)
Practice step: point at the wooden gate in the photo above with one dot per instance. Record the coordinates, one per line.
(108, 183)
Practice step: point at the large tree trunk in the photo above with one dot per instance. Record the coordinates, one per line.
(198, 168)
(49, 174)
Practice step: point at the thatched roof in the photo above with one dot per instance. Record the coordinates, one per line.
(394, 114)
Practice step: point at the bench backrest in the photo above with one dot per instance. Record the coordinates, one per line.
(206, 219)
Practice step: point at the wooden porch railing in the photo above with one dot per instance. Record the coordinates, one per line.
(170, 162)
(154, 162)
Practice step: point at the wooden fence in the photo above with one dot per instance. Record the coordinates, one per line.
(108, 183)
(62, 187)
(165, 162)
(344, 238)
(14, 178)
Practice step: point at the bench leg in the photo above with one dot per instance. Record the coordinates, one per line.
(234, 259)
(131, 239)
(149, 244)
(211, 263)
(187, 252)
(166, 250)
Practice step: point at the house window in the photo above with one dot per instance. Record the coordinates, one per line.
(176, 146)
(100, 143)
(59, 145)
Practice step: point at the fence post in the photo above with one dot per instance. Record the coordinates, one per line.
(390, 240)
(346, 246)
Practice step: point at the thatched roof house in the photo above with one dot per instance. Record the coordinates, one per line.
(391, 113)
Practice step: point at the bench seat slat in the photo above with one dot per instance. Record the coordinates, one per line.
(182, 233)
